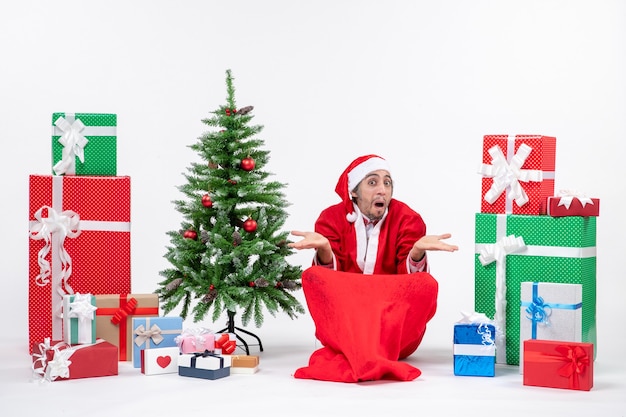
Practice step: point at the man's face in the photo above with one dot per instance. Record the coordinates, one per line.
(373, 194)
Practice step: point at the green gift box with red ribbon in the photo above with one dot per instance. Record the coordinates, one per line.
(84, 144)
(511, 249)
(114, 318)
(79, 242)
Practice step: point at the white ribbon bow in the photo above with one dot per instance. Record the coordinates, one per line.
(64, 224)
(73, 142)
(508, 175)
(144, 334)
(59, 366)
(497, 252)
(567, 196)
(40, 358)
(81, 308)
(482, 320)
(198, 335)
(473, 317)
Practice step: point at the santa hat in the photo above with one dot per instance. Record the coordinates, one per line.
(353, 175)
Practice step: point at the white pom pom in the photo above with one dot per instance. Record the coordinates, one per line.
(351, 217)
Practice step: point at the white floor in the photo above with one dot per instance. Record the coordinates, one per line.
(274, 391)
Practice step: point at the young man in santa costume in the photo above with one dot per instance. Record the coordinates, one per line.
(369, 231)
(369, 290)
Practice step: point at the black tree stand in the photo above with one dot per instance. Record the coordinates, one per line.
(230, 328)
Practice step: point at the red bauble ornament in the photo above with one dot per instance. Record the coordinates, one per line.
(251, 284)
(247, 164)
(227, 111)
(212, 287)
(190, 234)
(233, 182)
(206, 201)
(249, 225)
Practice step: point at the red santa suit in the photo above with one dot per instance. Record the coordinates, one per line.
(366, 323)
(386, 251)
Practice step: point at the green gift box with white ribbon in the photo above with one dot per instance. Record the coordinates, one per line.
(84, 144)
(79, 318)
(511, 249)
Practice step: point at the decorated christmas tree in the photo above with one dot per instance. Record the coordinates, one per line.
(230, 253)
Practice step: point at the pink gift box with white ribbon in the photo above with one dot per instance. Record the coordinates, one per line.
(196, 340)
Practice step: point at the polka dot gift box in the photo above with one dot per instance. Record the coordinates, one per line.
(518, 173)
(79, 242)
(511, 249)
(84, 144)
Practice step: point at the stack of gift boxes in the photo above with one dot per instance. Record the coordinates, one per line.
(83, 319)
(535, 265)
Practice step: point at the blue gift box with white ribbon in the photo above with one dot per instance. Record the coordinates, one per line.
(550, 311)
(474, 349)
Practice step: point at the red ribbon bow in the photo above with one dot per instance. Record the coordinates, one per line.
(123, 312)
(226, 343)
(576, 361)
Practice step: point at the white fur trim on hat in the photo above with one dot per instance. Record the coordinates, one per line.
(351, 217)
(360, 171)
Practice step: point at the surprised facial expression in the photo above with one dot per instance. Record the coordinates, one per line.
(374, 193)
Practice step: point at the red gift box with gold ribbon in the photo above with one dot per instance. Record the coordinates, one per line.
(79, 243)
(114, 317)
(518, 173)
(558, 364)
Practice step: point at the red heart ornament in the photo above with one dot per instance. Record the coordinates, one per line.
(164, 361)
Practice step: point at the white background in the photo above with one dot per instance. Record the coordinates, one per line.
(418, 82)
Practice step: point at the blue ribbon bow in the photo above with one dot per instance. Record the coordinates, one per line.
(538, 311)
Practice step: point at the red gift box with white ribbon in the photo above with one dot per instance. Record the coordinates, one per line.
(79, 243)
(225, 344)
(572, 203)
(57, 360)
(518, 173)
